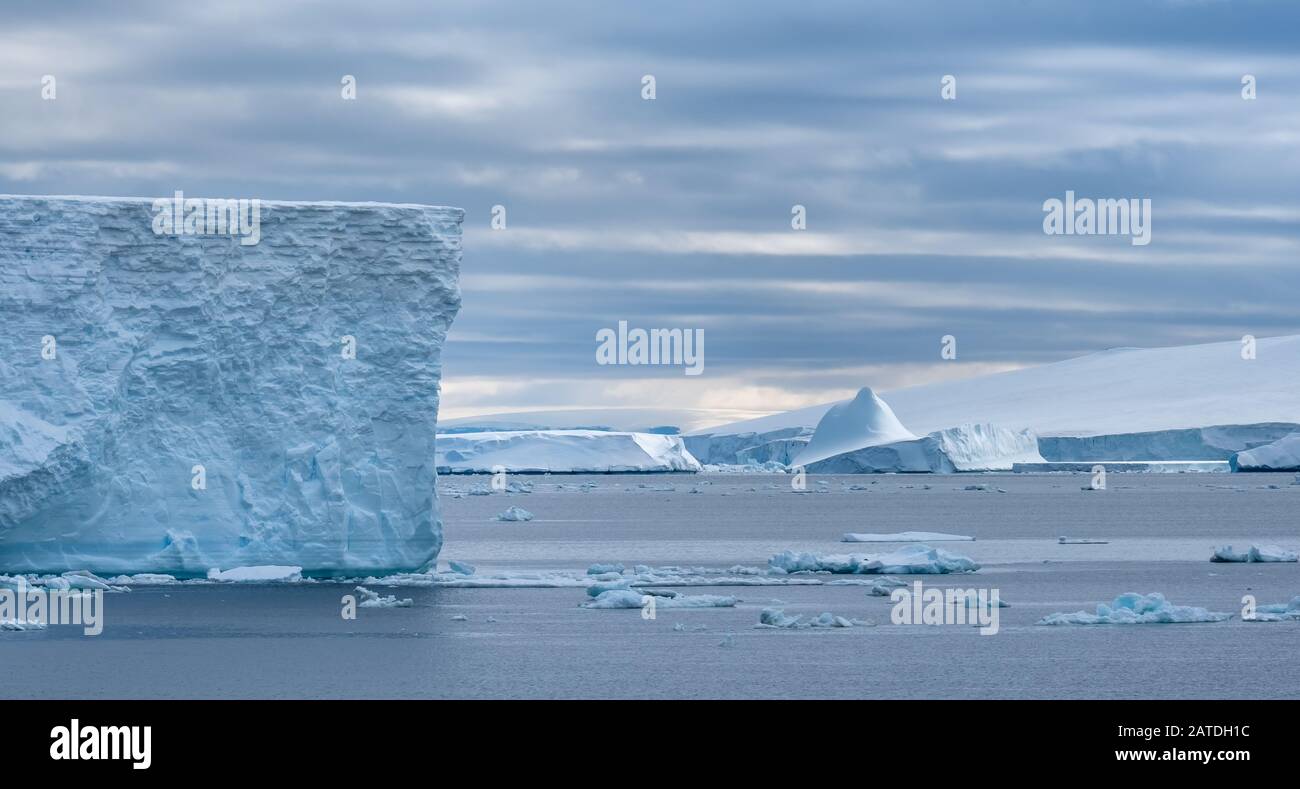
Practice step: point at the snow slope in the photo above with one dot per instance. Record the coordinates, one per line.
(562, 451)
(864, 421)
(197, 409)
(1123, 390)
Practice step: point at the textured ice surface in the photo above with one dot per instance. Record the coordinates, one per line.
(1256, 553)
(515, 514)
(1281, 455)
(905, 560)
(1132, 608)
(625, 598)
(562, 451)
(172, 352)
(770, 618)
(962, 448)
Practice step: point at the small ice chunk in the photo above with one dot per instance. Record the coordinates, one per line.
(600, 587)
(461, 568)
(460, 618)
(917, 558)
(627, 598)
(601, 569)
(906, 536)
(1132, 608)
(371, 599)
(884, 587)
(265, 573)
(1081, 541)
(515, 514)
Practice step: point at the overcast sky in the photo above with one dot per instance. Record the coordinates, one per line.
(924, 216)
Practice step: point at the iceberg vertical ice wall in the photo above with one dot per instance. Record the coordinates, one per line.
(128, 360)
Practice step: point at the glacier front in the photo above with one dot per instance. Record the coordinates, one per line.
(174, 403)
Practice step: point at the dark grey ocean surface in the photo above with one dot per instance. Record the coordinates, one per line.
(289, 641)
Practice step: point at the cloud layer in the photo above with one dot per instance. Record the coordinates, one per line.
(924, 216)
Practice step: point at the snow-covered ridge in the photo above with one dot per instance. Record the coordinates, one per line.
(562, 451)
(196, 405)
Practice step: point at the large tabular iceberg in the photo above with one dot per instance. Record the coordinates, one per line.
(963, 448)
(1281, 455)
(173, 403)
(562, 451)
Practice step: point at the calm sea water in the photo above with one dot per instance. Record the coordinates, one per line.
(289, 641)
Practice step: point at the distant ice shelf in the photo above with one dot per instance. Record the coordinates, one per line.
(562, 452)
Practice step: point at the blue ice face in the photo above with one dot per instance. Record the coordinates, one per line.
(172, 402)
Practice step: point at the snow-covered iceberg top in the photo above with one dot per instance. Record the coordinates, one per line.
(174, 402)
(1281, 455)
(909, 559)
(864, 421)
(562, 451)
(961, 448)
(1132, 608)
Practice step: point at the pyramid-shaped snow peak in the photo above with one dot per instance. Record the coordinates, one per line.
(864, 421)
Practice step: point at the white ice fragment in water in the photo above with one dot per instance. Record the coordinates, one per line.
(906, 560)
(627, 598)
(776, 618)
(1132, 608)
(266, 573)
(515, 514)
(906, 536)
(371, 599)
(883, 587)
(461, 568)
(1080, 541)
(601, 569)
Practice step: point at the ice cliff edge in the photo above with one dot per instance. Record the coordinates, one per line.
(174, 402)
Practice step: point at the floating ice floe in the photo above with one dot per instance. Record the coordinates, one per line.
(1256, 553)
(909, 559)
(1276, 612)
(1281, 455)
(267, 573)
(15, 626)
(1132, 608)
(1080, 541)
(371, 599)
(906, 536)
(776, 618)
(71, 581)
(515, 514)
(461, 568)
(884, 587)
(626, 598)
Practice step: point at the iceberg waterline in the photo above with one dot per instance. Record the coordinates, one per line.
(161, 398)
